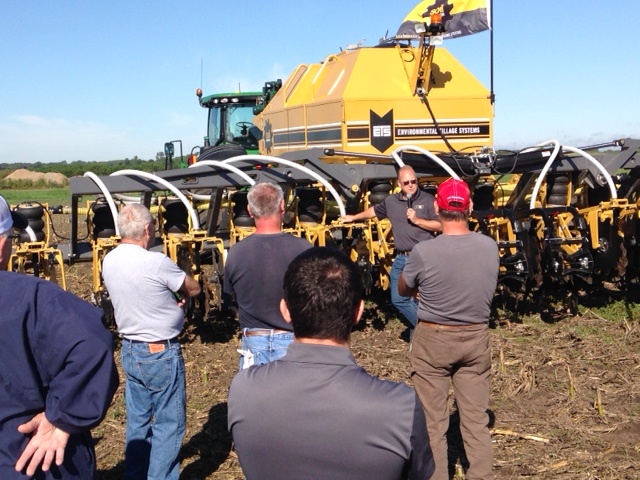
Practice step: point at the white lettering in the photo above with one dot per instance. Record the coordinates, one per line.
(381, 130)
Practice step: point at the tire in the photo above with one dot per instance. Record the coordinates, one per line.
(222, 152)
(104, 233)
(24, 237)
(244, 221)
(177, 228)
(309, 218)
(557, 200)
(379, 187)
(36, 224)
(376, 198)
(31, 211)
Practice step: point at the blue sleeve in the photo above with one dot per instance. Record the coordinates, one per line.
(74, 354)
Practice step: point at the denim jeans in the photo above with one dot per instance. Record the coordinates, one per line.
(155, 398)
(407, 306)
(263, 348)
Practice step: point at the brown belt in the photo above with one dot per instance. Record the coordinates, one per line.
(263, 332)
(448, 327)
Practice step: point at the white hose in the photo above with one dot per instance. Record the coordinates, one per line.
(218, 163)
(433, 157)
(192, 213)
(31, 233)
(107, 196)
(607, 176)
(302, 168)
(545, 169)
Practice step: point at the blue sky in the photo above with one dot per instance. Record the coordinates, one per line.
(109, 80)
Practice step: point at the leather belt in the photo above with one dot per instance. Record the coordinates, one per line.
(156, 342)
(447, 326)
(263, 332)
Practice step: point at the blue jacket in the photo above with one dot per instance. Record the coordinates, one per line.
(56, 357)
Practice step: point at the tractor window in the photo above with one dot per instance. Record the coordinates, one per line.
(231, 124)
(214, 126)
(240, 121)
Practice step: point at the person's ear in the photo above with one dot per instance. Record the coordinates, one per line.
(470, 209)
(3, 243)
(249, 211)
(359, 312)
(284, 310)
(435, 206)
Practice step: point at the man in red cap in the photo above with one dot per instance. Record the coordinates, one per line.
(455, 275)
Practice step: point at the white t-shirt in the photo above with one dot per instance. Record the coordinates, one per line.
(141, 285)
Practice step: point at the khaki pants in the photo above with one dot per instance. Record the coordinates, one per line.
(438, 357)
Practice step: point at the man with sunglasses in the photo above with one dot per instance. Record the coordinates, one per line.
(413, 219)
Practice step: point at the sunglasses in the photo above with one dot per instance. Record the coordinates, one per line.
(409, 182)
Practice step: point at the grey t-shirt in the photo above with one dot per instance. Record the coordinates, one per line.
(316, 414)
(405, 233)
(456, 276)
(254, 271)
(141, 286)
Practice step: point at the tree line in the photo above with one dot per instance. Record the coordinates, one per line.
(79, 167)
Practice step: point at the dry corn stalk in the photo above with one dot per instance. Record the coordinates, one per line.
(535, 438)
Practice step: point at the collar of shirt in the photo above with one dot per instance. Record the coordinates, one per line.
(323, 354)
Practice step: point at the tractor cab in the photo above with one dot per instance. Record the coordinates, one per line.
(231, 119)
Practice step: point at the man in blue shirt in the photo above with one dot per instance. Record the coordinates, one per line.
(58, 375)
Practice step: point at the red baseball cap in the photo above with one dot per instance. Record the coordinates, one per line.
(453, 195)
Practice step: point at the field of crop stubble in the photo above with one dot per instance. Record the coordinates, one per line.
(565, 392)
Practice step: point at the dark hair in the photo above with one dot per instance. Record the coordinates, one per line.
(453, 215)
(322, 290)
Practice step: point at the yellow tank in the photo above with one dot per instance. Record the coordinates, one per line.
(369, 100)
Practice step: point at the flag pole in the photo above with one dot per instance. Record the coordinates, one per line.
(493, 95)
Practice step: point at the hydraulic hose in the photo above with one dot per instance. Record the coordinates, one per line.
(302, 168)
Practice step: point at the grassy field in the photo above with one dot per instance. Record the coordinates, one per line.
(52, 196)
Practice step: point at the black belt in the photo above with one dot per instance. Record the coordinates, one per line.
(155, 342)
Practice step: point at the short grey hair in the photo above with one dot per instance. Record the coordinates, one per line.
(132, 220)
(264, 199)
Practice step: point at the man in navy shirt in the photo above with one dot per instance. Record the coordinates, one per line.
(58, 375)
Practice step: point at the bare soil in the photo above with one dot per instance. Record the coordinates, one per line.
(49, 177)
(565, 392)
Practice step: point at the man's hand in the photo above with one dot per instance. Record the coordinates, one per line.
(46, 445)
(411, 215)
(347, 218)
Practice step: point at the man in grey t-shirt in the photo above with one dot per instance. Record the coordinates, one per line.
(456, 276)
(315, 413)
